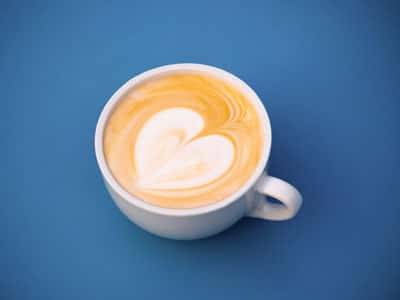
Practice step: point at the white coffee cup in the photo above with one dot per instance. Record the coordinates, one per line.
(204, 221)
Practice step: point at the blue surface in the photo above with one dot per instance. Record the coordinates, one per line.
(329, 76)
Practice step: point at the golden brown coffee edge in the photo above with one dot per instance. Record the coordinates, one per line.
(225, 111)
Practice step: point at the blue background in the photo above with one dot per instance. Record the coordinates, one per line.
(329, 76)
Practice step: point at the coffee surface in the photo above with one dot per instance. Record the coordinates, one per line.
(183, 140)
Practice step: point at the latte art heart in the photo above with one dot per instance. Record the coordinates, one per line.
(186, 161)
(183, 140)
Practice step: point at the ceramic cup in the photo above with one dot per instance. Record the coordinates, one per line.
(249, 201)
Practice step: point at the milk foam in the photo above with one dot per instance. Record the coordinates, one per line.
(169, 156)
(183, 140)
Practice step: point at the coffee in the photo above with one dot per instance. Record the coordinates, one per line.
(183, 140)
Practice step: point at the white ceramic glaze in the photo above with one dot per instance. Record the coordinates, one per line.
(207, 220)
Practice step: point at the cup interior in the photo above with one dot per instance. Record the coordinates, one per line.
(181, 68)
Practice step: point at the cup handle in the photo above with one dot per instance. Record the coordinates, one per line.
(287, 194)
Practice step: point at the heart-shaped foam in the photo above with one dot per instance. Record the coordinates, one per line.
(169, 156)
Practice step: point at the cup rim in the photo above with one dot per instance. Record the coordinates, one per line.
(172, 68)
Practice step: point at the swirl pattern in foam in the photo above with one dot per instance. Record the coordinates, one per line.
(183, 140)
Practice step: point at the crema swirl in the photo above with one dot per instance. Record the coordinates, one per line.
(183, 140)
